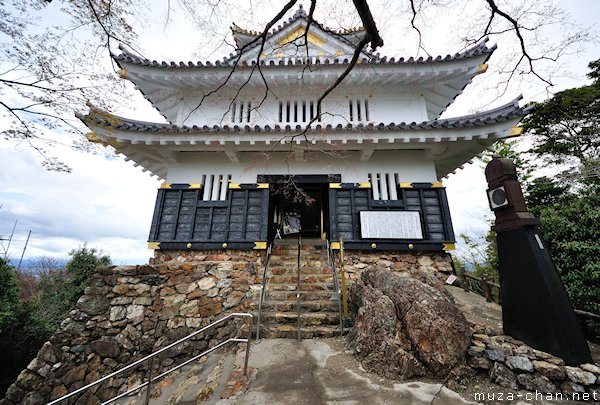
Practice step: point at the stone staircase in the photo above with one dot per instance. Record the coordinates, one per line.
(319, 312)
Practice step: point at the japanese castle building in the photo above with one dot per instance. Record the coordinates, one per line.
(370, 161)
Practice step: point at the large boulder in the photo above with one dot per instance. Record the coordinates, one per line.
(406, 324)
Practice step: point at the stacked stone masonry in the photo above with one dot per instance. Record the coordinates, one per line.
(512, 364)
(131, 311)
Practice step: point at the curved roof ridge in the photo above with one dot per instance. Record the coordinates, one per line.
(510, 106)
(502, 113)
(228, 61)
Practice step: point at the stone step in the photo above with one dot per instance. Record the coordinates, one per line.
(292, 263)
(290, 331)
(306, 318)
(283, 270)
(290, 295)
(311, 306)
(304, 287)
(304, 279)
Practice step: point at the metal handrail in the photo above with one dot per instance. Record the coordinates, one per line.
(336, 284)
(263, 289)
(343, 277)
(298, 285)
(156, 353)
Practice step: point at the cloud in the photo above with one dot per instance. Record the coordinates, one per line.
(105, 202)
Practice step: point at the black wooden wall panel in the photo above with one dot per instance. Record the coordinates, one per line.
(182, 216)
(431, 203)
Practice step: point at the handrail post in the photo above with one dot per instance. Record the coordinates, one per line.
(263, 289)
(151, 360)
(336, 284)
(248, 346)
(298, 286)
(343, 276)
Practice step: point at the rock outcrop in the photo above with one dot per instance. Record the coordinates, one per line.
(406, 324)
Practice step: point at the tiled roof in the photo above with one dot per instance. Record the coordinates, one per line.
(476, 50)
(298, 15)
(503, 113)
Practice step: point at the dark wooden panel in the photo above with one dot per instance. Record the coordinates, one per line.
(181, 217)
(430, 202)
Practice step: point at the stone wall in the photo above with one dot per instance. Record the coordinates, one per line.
(437, 263)
(130, 311)
(512, 364)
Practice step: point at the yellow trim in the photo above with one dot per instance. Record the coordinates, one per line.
(234, 185)
(298, 33)
(437, 184)
(195, 185)
(262, 185)
(92, 137)
(406, 185)
(482, 68)
(260, 245)
(516, 131)
(335, 245)
(335, 185)
(280, 55)
(448, 246)
(154, 245)
(165, 185)
(364, 184)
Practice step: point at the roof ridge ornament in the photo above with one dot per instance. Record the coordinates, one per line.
(300, 12)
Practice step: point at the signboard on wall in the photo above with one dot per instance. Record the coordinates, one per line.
(390, 225)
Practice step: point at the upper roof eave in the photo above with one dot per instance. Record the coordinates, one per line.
(506, 112)
(126, 57)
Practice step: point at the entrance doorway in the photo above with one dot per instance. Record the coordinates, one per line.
(299, 205)
(302, 213)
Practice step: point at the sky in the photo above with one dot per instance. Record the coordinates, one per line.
(108, 203)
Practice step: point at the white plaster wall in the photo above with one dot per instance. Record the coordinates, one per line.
(410, 165)
(386, 105)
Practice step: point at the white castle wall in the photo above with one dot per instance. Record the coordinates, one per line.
(409, 165)
(384, 105)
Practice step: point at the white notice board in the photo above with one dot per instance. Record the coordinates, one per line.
(390, 225)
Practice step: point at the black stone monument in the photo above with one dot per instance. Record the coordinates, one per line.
(535, 307)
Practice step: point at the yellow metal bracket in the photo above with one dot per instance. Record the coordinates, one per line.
(260, 245)
(406, 185)
(516, 131)
(482, 68)
(448, 246)
(154, 245)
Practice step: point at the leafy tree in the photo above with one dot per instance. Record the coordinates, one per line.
(480, 257)
(22, 329)
(60, 290)
(566, 130)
